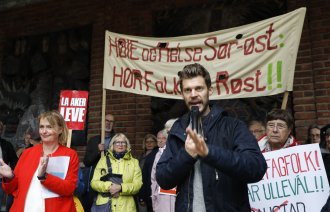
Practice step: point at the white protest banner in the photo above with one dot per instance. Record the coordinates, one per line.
(257, 59)
(73, 108)
(295, 181)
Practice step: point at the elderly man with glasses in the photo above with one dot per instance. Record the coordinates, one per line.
(279, 125)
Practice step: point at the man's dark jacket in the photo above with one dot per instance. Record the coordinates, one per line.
(145, 191)
(234, 159)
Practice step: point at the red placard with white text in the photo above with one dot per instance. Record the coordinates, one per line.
(73, 107)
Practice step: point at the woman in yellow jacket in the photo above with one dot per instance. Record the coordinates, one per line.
(122, 194)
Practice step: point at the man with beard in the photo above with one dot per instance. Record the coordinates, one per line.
(212, 168)
(93, 155)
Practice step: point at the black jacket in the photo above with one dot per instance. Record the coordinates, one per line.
(145, 191)
(326, 207)
(8, 153)
(234, 160)
(326, 161)
(92, 157)
(92, 154)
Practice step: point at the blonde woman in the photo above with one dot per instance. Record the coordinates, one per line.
(122, 162)
(35, 184)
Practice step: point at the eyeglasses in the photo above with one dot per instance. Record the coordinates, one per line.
(314, 136)
(117, 143)
(256, 131)
(111, 121)
(280, 126)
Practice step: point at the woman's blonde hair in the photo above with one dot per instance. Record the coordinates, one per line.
(57, 122)
(115, 138)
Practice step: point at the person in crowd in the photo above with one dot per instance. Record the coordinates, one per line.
(93, 155)
(145, 192)
(31, 138)
(80, 187)
(257, 128)
(326, 207)
(8, 155)
(211, 169)
(325, 148)
(123, 163)
(168, 125)
(161, 202)
(149, 144)
(79, 191)
(313, 134)
(279, 125)
(35, 184)
(325, 151)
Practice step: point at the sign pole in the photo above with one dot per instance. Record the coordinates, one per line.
(285, 100)
(104, 94)
(68, 142)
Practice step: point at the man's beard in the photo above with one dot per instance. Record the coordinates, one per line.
(205, 106)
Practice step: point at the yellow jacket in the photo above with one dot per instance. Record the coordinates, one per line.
(132, 181)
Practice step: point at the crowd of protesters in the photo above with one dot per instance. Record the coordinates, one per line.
(178, 170)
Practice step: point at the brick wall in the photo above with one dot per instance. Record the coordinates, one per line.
(311, 96)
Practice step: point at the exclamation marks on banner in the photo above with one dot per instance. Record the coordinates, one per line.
(318, 187)
(278, 75)
(281, 36)
(270, 76)
(321, 182)
(317, 160)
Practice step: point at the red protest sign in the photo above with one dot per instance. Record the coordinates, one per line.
(73, 107)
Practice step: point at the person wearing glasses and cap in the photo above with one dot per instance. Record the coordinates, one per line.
(279, 125)
(122, 163)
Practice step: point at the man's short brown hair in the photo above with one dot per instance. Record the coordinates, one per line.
(193, 70)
